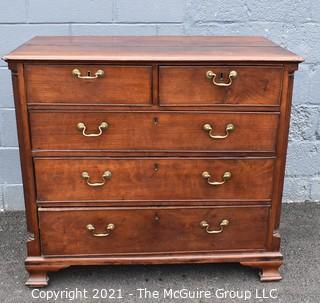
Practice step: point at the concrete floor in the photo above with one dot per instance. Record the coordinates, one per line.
(300, 230)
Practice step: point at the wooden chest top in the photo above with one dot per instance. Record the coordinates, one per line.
(150, 48)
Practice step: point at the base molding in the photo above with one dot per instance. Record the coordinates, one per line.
(267, 262)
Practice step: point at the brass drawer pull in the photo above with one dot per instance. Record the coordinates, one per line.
(82, 127)
(211, 75)
(110, 227)
(98, 74)
(106, 175)
(208, 128)
(205, 224)
(226, 177)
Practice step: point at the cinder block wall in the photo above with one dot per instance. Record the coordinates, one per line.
(294, 24)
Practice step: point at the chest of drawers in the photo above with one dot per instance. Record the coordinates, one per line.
(150, 150)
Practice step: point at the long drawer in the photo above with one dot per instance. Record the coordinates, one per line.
(89, 84)
(90, 231)
(103, 179)
(185, 131)
(217, 85)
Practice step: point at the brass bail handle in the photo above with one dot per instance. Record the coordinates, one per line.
(109, 228)
(82, 127)
(106, 175)
(204, 224)
(211, 75)
(209, 128)
(77, 73)
(226, 177)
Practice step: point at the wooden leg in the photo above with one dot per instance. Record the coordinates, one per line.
(269, 270)
(37, 279)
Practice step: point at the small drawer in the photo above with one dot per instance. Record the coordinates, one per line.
(154, 131)
(89, 84)
(153, 179)
(219, 85)
(90, 231)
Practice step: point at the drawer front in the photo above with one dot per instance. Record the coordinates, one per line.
(85, 231)
(154, 131)
(117, 84)
(105, 179)
(190, 85)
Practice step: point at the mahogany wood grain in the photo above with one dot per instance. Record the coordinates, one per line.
(156, 196)
(39, 266)
(142, 230)
(56, 263)
(119, 85)
(189, 86)
(152, 179)
(171, 131)
(161, 48)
